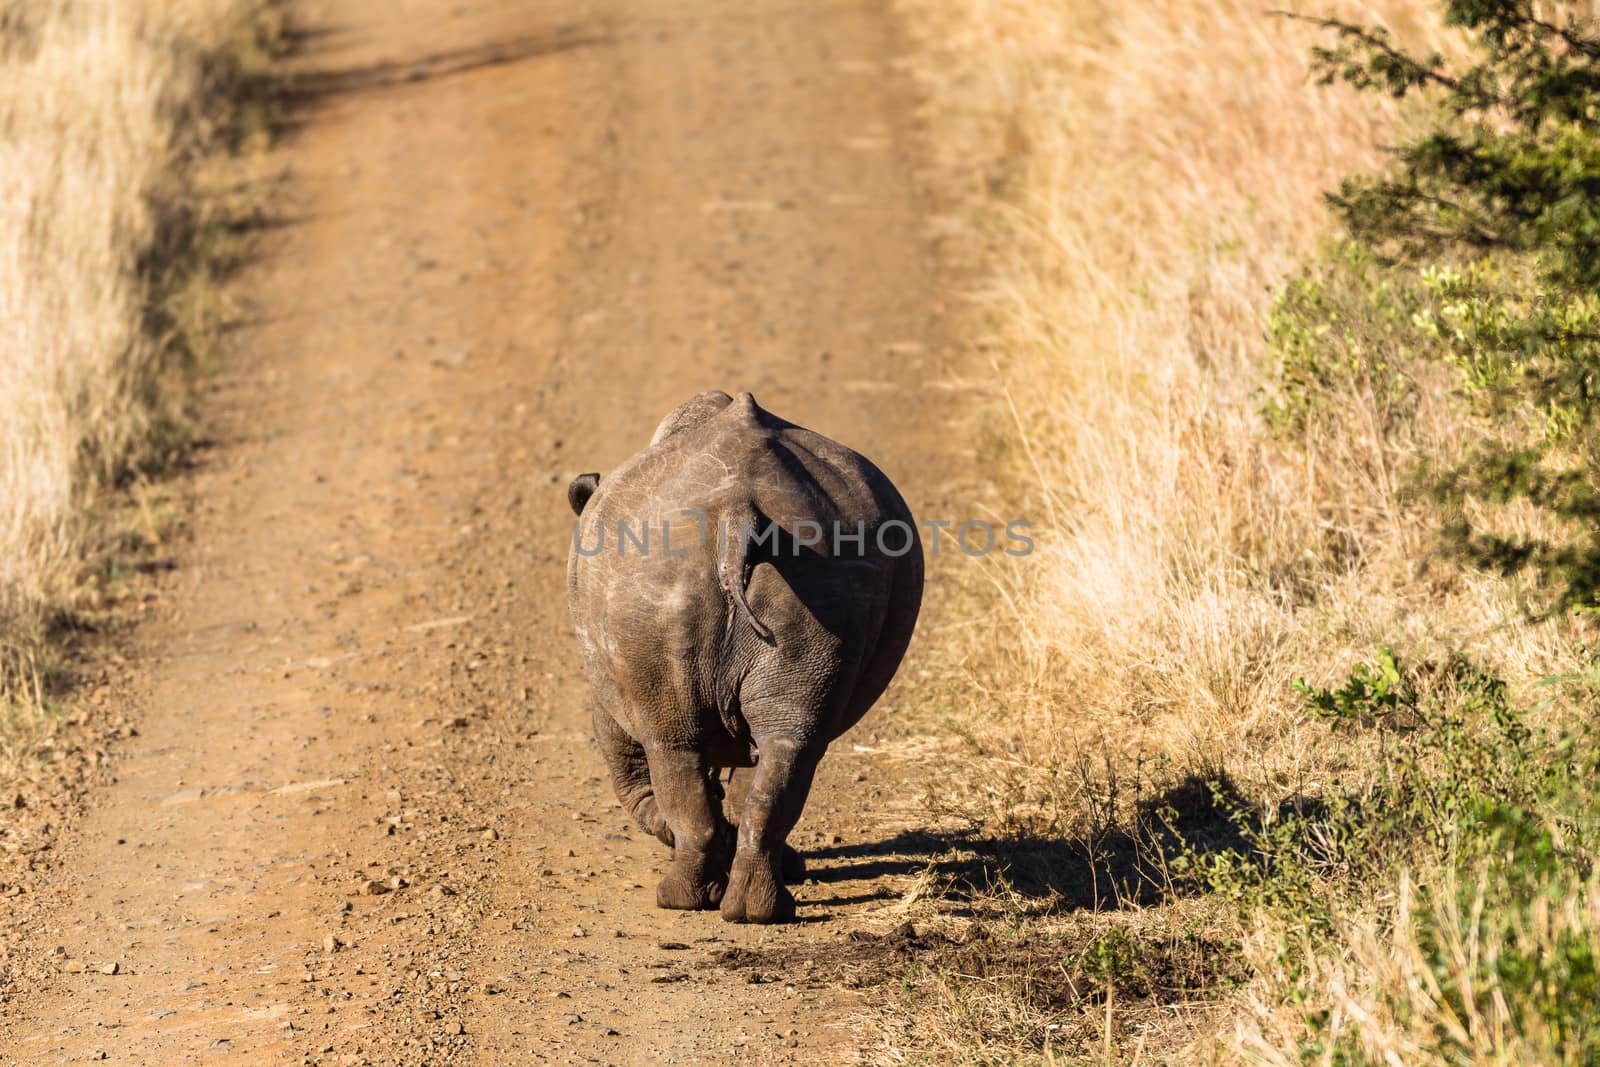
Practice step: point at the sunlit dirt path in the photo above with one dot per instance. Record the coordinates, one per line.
(362, 820)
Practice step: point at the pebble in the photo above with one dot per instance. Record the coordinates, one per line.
(111, 968)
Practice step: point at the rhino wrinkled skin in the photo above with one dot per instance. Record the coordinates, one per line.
(733, 644)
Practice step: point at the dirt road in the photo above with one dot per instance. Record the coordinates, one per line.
(362, 820)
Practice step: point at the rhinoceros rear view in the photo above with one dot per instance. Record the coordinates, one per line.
(743, 590)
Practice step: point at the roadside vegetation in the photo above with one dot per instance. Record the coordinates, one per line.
(1284, 752)
(114, 234)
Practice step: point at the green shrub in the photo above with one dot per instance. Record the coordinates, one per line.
(1479, 249)
(1464, 782)
(1488, 822)
(1346, 329)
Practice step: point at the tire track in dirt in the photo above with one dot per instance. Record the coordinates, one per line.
(362, 820)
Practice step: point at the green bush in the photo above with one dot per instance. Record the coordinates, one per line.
(1489, 824)
(1465, 783)
(1479, 250)
(1346, 330)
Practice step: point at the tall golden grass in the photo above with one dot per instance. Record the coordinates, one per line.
(1141, 179)
(1160, 170)
(105, 110)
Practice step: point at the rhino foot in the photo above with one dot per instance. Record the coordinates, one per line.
(685, 890)
(697, 879)
(756, 893)
(792, 863)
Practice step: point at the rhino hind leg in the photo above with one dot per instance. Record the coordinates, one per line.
(702, 841)
(756, 891)
(792, 863)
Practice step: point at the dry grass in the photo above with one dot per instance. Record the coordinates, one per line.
(1162, 168)
(1395, 995)
(105, 111)
(1143, 177)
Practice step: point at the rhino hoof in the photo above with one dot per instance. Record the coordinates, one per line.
(681, 893)
(756, 894)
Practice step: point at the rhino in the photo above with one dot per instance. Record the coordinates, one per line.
(742, 591)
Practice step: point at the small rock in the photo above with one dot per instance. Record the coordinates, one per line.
(578, 931)
(331, 944)
(398, 882)
(374, 888)
(111, 968)
(491, 834)
(454, 1028)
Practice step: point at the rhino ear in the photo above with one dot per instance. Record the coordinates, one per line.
(581, 489)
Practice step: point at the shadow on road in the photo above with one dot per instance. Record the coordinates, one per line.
(308, 87)
(1096, 870)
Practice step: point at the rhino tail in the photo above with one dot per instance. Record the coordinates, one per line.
(733, 566)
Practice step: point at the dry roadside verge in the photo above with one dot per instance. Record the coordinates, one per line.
(116, 230)
(1144, 183)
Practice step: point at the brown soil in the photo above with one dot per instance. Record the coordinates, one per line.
(360, 819)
